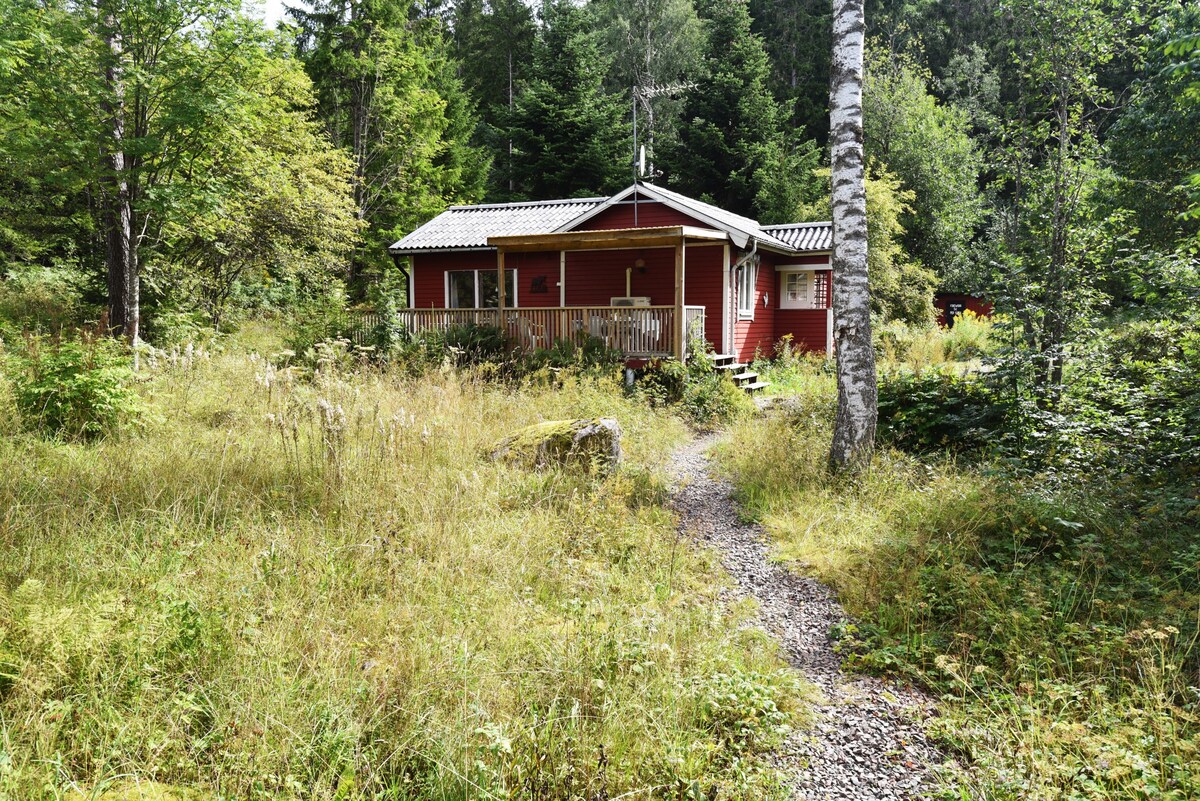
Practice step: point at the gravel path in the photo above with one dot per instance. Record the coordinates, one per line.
(866, 742)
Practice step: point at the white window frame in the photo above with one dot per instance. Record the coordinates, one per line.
(747, 279)
(509, 303)
(810, 301)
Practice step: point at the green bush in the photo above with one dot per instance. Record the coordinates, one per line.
(41, 299)
(938, 410)
(75, 389)
(705, 395)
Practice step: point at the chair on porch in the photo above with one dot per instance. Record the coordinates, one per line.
(529, 334)
(598, 327)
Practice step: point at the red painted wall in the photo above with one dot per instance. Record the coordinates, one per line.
(650, 214)
(808, 327)
(943, 299)
(758, 335)
(596, 276)
(429, 275)
(702, 286)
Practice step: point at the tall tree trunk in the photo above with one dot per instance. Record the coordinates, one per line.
(124, 291)
(857, 406)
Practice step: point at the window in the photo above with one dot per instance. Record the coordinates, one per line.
(804, 289)
(795, 290)
(746, 278)
(479, 289)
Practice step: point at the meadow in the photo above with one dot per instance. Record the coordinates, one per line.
(305, 581)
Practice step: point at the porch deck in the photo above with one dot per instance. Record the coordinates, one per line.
(639, 332)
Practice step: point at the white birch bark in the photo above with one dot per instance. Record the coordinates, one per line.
(857, 405)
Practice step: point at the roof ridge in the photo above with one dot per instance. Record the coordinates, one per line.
(516, 203)
(791, 226)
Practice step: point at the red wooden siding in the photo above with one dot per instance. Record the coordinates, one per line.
(942, 300)
(702, 286)
(758, 335)
(429, 276)
(650, 214)
(596, 276)
(808, 327)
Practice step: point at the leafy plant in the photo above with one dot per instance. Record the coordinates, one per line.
(77, 389)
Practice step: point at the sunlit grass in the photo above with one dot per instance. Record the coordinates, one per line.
(295, 586)
(1060, 636)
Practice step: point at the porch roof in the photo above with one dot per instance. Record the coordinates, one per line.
(610, 239)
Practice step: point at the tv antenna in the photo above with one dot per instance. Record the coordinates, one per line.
(644, 94)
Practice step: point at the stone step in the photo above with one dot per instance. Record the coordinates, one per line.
(757, 385)
(746, 377)
(731, 366)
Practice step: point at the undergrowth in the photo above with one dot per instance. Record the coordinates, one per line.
(1060, 630)
(308, 584)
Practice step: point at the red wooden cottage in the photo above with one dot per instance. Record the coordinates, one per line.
(646, 270)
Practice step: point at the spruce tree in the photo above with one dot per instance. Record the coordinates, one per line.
(570, 137)
(731, 149)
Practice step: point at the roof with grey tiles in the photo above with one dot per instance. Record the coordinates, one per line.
(462, 227)
(812, 236)
(468, 227)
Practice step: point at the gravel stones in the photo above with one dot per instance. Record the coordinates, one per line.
(867, 741)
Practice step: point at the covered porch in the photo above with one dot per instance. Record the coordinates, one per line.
(641, 327)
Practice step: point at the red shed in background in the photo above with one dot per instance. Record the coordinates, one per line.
(951, 304)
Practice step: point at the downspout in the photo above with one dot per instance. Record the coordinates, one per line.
(408, 287)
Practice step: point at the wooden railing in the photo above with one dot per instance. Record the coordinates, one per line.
(640, 332)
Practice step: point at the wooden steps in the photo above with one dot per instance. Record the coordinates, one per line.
(738, 372)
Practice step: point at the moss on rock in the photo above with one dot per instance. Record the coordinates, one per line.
(593, 445)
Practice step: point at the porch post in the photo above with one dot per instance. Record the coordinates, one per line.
(680, 323)
(500, 279)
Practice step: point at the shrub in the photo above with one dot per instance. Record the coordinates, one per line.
(704, 395)
(76, 389)
(41, 299)
(937, 410)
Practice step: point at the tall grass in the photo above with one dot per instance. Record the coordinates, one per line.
(1060, 633)
(314, 587)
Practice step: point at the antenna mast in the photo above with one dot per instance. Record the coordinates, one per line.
(645, 94)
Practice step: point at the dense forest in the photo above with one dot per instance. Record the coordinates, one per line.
(179, 163)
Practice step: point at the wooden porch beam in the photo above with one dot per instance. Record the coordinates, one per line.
(608, 240)
(500, 278)
(680, 324)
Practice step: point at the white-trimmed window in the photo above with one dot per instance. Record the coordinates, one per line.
(804, 289)
(479, 289)
(747, 280)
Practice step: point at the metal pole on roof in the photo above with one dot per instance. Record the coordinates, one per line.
(635, 157)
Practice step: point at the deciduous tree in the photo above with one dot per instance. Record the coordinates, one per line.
(857, 403)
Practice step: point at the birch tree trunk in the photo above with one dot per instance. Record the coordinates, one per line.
(857, 406)
(121, 253)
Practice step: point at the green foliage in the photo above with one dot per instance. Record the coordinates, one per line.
(939, 411)
(387, 94)
(1150, 147)
(731, 149)
(1057, 626)
(746, 712)
(41, 299)
(568, 133)
(75, 389)
(277, 207)
(703, 394)
(925, 145)
(901, 288)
